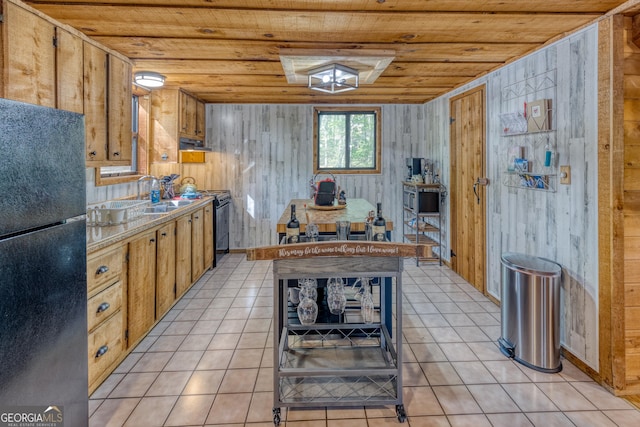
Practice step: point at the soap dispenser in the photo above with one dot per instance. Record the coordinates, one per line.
(154, 194)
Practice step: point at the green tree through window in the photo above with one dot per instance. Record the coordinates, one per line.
(346, 140)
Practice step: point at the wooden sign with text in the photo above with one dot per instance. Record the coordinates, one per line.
(339, 248)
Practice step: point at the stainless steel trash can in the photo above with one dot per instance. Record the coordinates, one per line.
(530, 311)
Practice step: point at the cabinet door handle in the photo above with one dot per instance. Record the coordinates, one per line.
(163, 234)
(152, 240)
(116, 153)
(103, 307)
(93, 153)
(101, 270)
(102, 351)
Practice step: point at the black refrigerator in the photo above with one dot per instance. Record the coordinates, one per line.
(43, 292)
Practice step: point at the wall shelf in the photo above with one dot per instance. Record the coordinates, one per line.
(537, 145)
(530, 180)
(422, 215)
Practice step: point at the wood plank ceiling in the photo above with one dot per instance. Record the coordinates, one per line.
(227, 51)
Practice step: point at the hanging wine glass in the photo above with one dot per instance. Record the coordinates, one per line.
(308, 288)
(308, 307)
(335, 284)
(336, 299)
(367, 309)
(337, 302)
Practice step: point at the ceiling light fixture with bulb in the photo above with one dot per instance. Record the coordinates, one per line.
(333, 78)
(149, 79)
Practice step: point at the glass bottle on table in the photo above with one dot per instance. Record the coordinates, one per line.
(293, 227)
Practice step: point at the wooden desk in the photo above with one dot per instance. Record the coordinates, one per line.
(356, 212)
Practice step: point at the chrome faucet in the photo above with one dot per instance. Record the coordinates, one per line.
(141, 179)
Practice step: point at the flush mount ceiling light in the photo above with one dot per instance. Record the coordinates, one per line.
(367, 64)
(333, 78)
(148, 79)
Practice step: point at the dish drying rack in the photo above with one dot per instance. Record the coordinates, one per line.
(115, 212)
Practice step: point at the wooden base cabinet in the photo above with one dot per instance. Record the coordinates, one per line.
(197, 244)
(142, 287)
(106, 312)
(207, 229)
(183, 254)
(133, 284)
(165, 269)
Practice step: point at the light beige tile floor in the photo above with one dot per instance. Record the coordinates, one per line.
(209, 362)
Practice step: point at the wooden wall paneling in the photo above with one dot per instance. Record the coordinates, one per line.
(632, 346)
(610, 200)
(535, 222)
(262, 153)
(631, 225)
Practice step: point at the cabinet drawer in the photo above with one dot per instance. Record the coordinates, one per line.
(104, 267)
(106, 340)
(103, 305)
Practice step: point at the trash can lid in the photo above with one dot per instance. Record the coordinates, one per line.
(531, 264)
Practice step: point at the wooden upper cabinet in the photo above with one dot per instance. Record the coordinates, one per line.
(107, 108)
(165, 110)
(187, 115)
(119, 115)
(69, 72)
(95, 104)
(29, 57)
(191, 117)
(174, 115)
(200, 119)
(47, 63)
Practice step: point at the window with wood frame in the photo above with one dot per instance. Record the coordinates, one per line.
(347, 140)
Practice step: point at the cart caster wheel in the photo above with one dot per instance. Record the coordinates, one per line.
(401, 413)
(276, 416)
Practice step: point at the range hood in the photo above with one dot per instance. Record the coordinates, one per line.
(193, 145)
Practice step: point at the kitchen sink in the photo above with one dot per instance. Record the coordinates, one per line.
(159, 208)
(179, 202)
(166, 206)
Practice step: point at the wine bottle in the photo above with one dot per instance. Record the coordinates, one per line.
(293, 227)
(379, 225)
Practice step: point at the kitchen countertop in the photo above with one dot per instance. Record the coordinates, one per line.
(101, 237)
(356, 211)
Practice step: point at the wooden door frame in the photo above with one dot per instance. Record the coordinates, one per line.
(453, 180)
